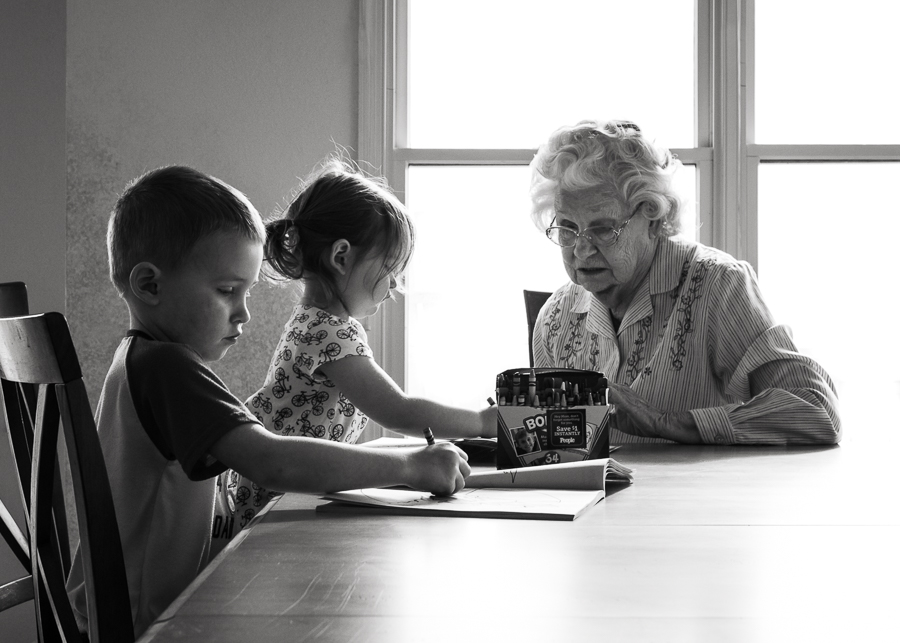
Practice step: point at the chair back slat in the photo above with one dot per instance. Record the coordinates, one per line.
(18, 543)
(98, 528)
(45, 560)
(38, 351)
(44, 362)
(16, 592)
(20, 432)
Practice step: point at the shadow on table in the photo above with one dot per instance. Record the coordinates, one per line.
(290, 515)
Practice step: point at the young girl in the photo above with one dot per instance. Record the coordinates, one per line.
(345, 239)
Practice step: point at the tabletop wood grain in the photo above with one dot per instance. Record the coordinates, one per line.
(708, 544)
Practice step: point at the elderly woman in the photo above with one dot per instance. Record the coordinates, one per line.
(681, 330)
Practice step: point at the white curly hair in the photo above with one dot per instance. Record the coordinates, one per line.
(613, 158)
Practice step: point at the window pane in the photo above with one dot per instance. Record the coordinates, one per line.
(824, 72)
(828, 269)
(506, 73)
(476, 251)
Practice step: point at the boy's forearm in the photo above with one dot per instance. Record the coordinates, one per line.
(313, 466)
(307, 465)
(287, 463)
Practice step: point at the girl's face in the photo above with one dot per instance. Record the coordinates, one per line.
(364, 289)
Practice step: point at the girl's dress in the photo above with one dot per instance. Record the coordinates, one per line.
(295, 400)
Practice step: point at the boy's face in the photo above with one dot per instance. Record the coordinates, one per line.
(525, 441)
(203, 302)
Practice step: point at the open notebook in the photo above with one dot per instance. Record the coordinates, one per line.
(549, 492)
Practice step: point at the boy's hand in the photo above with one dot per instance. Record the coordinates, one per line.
(441, 469)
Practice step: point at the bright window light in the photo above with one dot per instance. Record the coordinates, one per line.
(506, 73)
(828, 268)
(826, 72)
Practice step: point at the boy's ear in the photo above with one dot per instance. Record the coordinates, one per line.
(341, 258)
(144, 282)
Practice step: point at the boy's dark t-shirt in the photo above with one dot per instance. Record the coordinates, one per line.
(160, 411)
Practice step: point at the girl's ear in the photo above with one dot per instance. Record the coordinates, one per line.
(341, 258)
(144, 282)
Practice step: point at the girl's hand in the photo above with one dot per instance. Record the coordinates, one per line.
(441, 469)
(635, 416)
(489, 422)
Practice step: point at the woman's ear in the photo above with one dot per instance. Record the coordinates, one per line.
(144, 282)
(341, 258)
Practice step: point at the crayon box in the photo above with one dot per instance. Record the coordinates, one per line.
(551, 415)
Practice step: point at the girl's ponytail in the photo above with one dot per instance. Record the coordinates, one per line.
(284, 261)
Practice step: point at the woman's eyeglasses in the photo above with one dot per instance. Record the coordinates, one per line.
(602, 236)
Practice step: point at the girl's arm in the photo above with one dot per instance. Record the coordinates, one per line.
(290, 463)
(372, 390)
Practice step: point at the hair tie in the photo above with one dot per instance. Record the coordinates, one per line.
(291, 237)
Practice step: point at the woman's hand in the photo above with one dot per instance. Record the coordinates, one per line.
(635, 416)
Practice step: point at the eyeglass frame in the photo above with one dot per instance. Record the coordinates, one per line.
(584, 233)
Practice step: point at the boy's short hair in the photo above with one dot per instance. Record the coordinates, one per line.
(164, 213)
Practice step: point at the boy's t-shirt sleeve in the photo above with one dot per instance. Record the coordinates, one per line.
(182, 404)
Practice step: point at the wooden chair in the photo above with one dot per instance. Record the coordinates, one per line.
(534, 300)
(14, 303)
(38, 351)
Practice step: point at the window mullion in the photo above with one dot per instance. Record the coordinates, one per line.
(375, 145)
(731, 224)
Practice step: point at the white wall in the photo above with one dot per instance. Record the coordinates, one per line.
(251, 92)
(32, 198)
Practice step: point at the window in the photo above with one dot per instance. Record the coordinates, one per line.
(456, 97)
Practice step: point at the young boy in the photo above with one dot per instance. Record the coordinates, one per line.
(184, 251)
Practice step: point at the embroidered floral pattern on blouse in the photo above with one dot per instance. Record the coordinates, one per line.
(681, 278)
(637, 352)
(685, 311)
(572, 348)
(594, 351)
(553, 325)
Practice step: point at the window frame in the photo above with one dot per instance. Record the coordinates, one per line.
(725, 156)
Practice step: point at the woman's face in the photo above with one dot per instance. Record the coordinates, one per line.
(612, 273)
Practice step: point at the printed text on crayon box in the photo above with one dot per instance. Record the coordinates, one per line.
(567, 429)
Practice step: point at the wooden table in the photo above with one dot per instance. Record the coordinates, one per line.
(708, 544)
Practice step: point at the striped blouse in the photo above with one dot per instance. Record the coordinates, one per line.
(697, 337)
